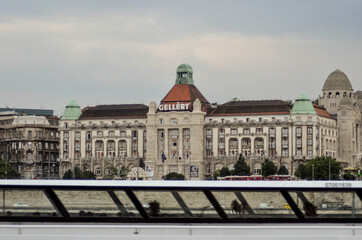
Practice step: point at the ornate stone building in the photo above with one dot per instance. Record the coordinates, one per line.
(184, 133)
(30, 144)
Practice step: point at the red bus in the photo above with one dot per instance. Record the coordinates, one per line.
(242, 178)
(279, 178)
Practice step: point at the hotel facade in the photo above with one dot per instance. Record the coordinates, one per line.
(186, 134)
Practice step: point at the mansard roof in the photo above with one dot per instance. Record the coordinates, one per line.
(184, 93)
(321, 111)
(256, 107)
(115, 111)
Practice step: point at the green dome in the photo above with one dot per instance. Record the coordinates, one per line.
(72, 111)
(184, 68)
(303, 105)
(184, 74)
(337, 80)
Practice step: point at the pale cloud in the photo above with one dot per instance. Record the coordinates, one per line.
(114, 57)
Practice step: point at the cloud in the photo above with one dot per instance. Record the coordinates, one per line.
(131, 57)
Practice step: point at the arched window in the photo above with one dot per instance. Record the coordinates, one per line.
(330, 95)
(337, 94)
(344, 94)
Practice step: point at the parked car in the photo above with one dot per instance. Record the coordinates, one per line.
(20, 205)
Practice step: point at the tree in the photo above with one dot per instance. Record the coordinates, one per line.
(216, 174)
(282, 170)
(112, 173)
(6, 171)
(268, 168)
(78, 174)
(318, 169)
(349, 176)
(123, 172)
(301, 171)
(174, 176)
(224, 172)
(241, 168)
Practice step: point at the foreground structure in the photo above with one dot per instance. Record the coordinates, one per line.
(186, 134)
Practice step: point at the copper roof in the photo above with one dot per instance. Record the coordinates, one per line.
(260, 107)
(115, 111)
(184, 93)
(321, 111)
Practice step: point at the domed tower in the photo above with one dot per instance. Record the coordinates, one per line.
(184, 74)
(336, 86)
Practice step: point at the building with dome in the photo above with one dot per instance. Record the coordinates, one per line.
(30, 143)
(346, 107)
(186, 134)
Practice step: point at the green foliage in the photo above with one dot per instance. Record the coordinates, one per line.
(349, 176)
(174, 176)
(216, 174)
(236, 206)
(283, 170)
(112, 173)
(301, 172)
(78, 174)
(241, 168)
(320, 167)
(123, 172)
(225, 171)
(268, 168)
(6, 171)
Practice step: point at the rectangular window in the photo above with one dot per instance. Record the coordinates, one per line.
(246, 131)
(173, 169)
(310, 130)
(285, 153)
(99, 134)
(30, 134)
(134, 134)
(285, 132)
(299, 132)
(111, 134)
(123, 133)
(234, 131)
(208, 133)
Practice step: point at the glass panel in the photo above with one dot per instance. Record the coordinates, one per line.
(25, 203)
(199, 204)
(328, 204)
(159, 204)
(128, 204)
(88, 203)
(262, 204)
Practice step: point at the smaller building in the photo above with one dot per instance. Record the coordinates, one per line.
(30, 144)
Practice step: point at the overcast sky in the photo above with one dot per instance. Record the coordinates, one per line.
(115, 52)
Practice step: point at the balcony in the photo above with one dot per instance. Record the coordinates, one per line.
(272, 146)
(208, 135)
(259, 146)
(285, 134)
(285, 145)
(221, 135)
(208, 146)
(221, 145)
(246, 146)
(272, 134)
